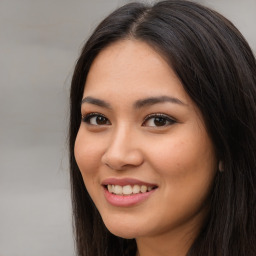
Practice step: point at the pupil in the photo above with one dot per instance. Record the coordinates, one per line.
(159, 121)
(101, 120)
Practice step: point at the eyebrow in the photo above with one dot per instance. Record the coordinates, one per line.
(94, 101)
(155, 100)
(138, 104)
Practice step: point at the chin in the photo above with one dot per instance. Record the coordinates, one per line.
(123, 234)
(121, 229)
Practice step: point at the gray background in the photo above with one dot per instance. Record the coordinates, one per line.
(39, 43)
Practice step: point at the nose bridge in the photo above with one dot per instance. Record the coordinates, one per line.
(122, 150)
(120, 136)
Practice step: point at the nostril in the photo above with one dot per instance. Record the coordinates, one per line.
(122, 157)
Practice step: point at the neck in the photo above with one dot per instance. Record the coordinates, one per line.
(176, 242)
(152, 246)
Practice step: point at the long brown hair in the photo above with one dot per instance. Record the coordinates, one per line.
(218, 71)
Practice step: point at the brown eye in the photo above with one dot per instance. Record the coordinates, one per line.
(158, 120)
(95, 119)
(100, 120)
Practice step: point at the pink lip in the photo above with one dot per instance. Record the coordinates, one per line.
(126, 201)
(126, 181)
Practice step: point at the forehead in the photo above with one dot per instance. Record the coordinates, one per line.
(132, 67)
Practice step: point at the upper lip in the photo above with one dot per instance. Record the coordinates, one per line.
(126, 181)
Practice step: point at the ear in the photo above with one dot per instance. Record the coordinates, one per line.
(221, 168)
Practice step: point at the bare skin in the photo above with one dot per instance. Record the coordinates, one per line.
(138, 123)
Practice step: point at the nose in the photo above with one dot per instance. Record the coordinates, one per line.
(123, 151)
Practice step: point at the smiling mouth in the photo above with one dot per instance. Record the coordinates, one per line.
(128, 189)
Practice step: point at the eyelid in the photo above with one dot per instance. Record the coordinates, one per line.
(153, 115)
(92, 114)
(87, 117)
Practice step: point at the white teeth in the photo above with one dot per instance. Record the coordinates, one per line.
(136, 189)
(110, 188)
(143, 189)
(118, 190)
(128, 189)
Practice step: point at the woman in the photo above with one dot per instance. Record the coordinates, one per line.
(162, 135)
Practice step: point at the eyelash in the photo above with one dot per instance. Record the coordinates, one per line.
(162, 116)
(87, 119)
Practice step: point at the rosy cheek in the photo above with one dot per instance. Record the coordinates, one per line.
(178, 157)
(167, 156)
(78, 151)
(87, 155)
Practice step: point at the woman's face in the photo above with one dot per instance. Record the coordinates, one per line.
(142, 148)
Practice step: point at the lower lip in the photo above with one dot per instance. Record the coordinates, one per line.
(126, 201)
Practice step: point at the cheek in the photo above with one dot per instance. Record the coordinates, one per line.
(187, 169)
(87, 155)
(187, 165)
(186, 151)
